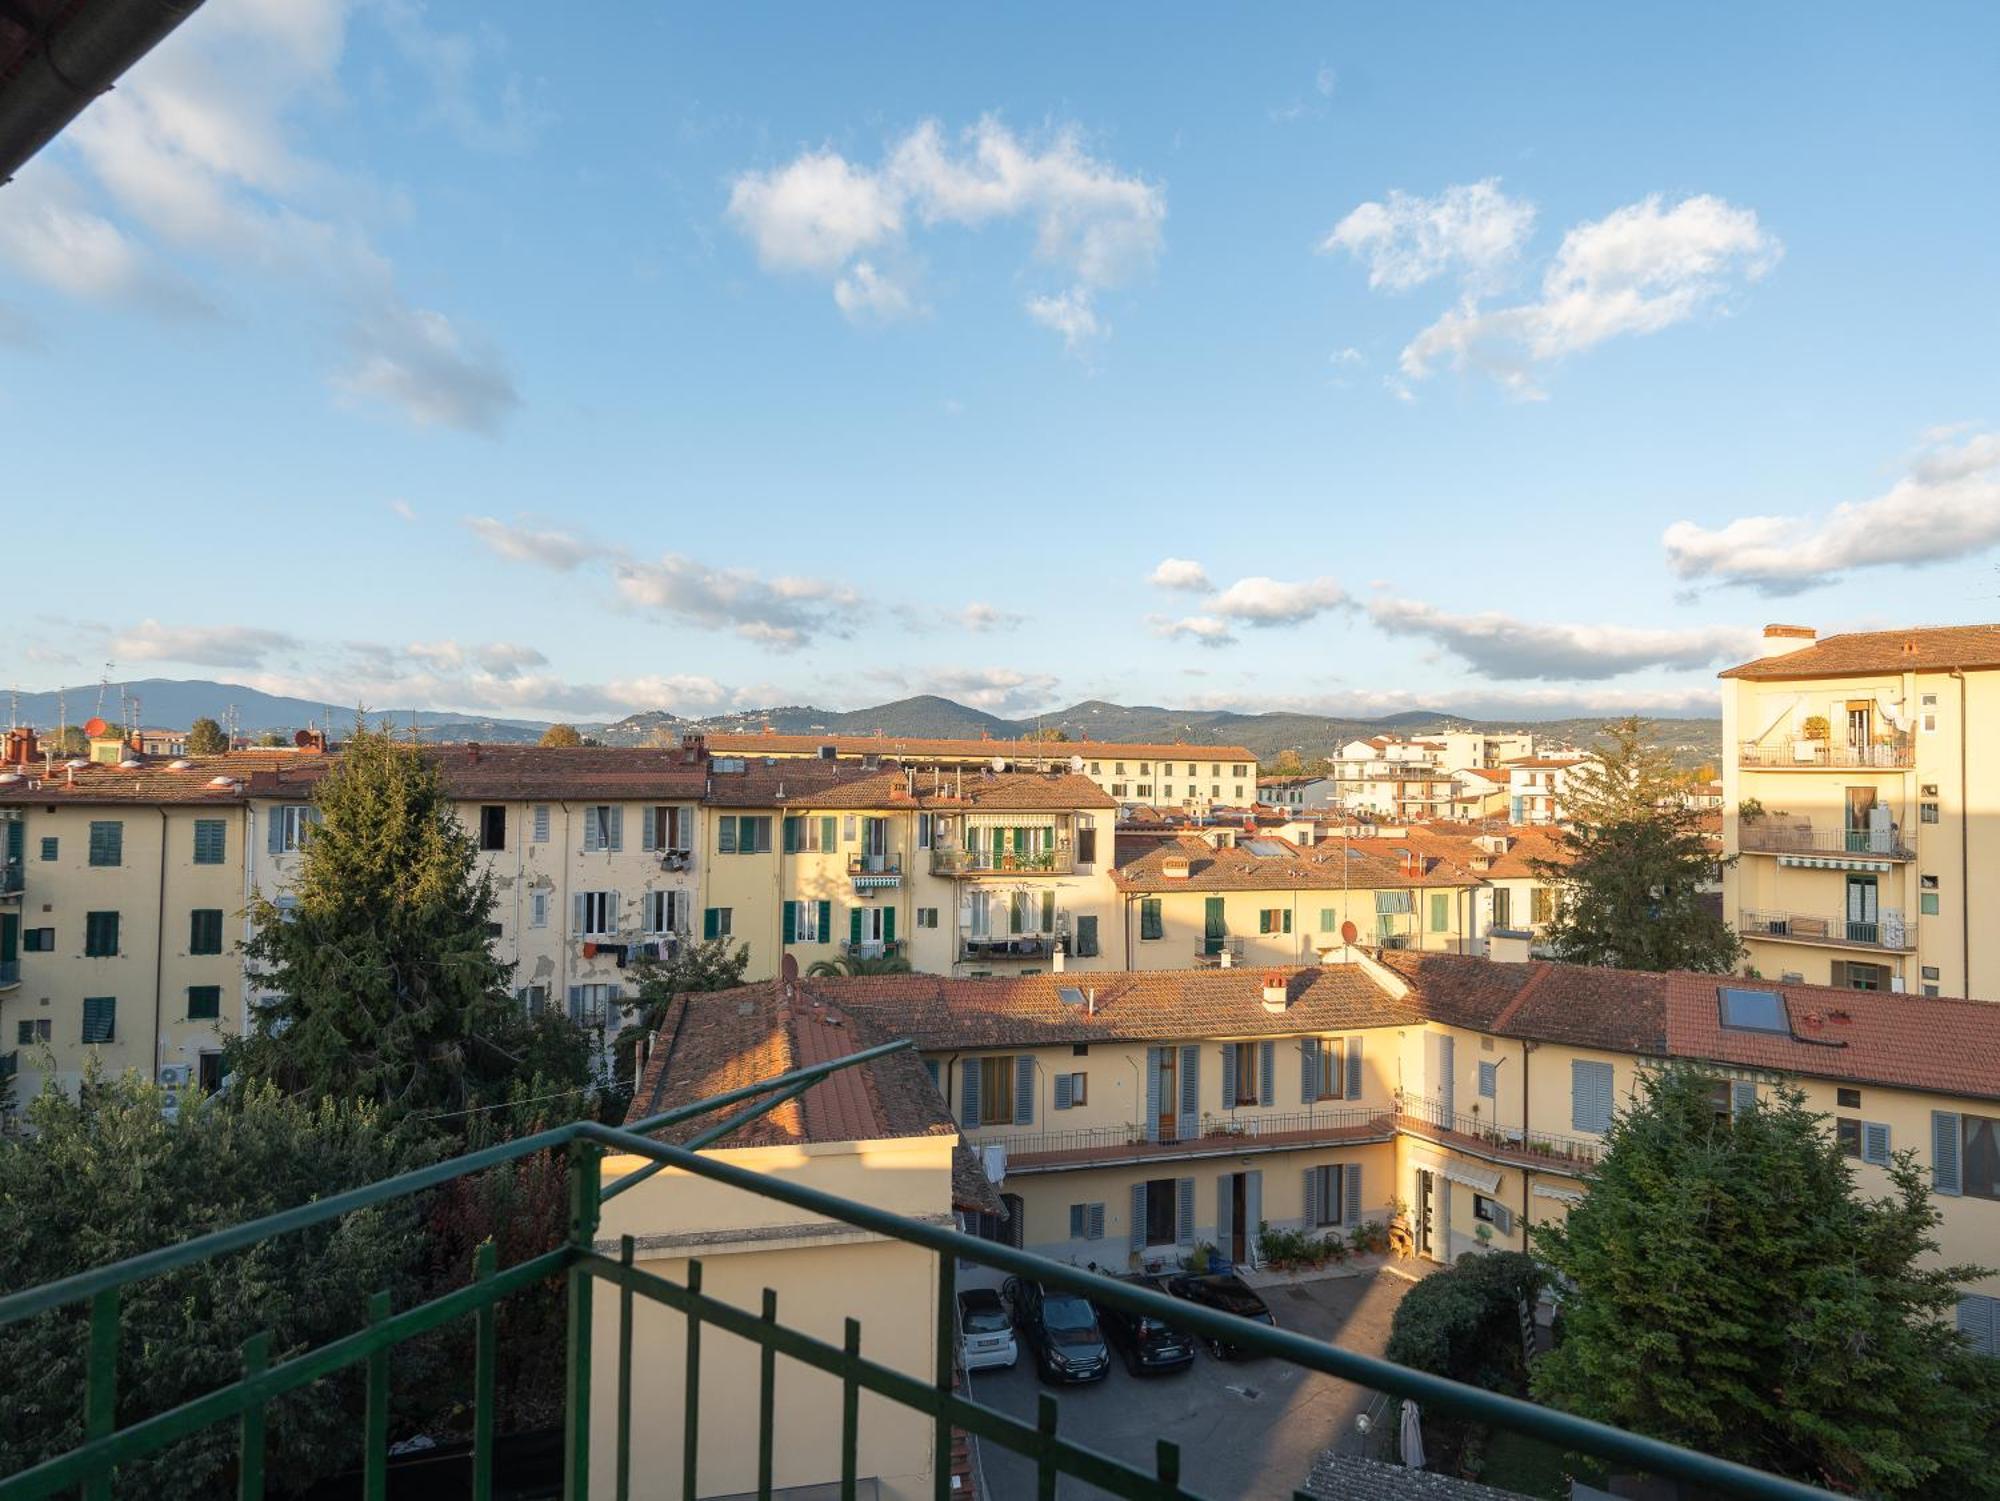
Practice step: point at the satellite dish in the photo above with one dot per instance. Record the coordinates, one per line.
(999, 763)
(95, 728)
(1348, 932)
(1076, 763)
(302, 738)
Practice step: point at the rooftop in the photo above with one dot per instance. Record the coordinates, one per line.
(917, 747)
(1278, 864)
(155, 779)
(1934, 648)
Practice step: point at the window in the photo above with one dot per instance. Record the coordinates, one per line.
(288, 827)
(205, 930)
(541, 824)
(1246, 1072)
(664, 911)
(1329, 1075)
(1274, 920)
(1118, 789)
(107, 841)
(1150, 926)
(1848, 1134)
(100, 934)
(211, 837)
(538, 909)
(1927, 903)
(808, 922)
(1590, 1096)
(596, 912)
(1979, 1159)
(1004, 1229)
(743, 835)
(1161, 1218)
(1927, 812)
(1855, 976)
(996, 1091)
(1979, 1322)
(669, 828)
(717, 922)
(590, 1005)
(1541, 906)
(1489, 1080)
(927, 917)
(1326, 1197)
(208, 1072)
(1503, 907)
(1071, 1090)
(100, 1018)
(1086, 938)
(1326, 919)
(38, 940)
(1239, 770)
(204, 1002)
(1440, 911)
(1494, 1213)
(1095, 768)
(49, 846)
(1745, 1010)
(493, 826)
(1086, 1222)
(1145, 789)
(32, 1030)
(1848, 1099)
(1118, 768)
(1086, 844)
(924, 831)
(603, 827)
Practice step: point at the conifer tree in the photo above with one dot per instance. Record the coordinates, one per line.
(205, 738)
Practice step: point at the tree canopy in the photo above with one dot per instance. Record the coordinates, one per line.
(561, 735)
(205, 738)
(1629, 882)
(1729, 1289)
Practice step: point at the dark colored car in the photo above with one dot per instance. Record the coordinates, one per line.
(1226, 1293)
(1060, 1329)
(1148, 1345)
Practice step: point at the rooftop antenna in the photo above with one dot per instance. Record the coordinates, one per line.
(62, 718)
(229, 727)
(103, 687)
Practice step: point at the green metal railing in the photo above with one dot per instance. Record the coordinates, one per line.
(89, 1468)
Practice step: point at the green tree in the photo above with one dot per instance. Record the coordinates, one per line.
(858, 964)
(273, 740)
(387, 988)
(563, 735)
(205, 738)
(1288, 764)
(70, 741)
(105, 1176)
(1049, 734)
(1630, 881)
(1465, 1322)
(1729, 1290)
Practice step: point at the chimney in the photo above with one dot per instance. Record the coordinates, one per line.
(1782, 639)
(20, 748)
(1276, 996)
(1508, 946)
(1174, 868)
(1056, 960)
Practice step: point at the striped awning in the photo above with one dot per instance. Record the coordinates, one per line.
(1554, 1191)
(1834, 862)
(1485, 1180)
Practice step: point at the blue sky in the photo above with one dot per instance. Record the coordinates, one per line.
(1514, 360)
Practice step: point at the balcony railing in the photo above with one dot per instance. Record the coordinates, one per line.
(874, 948)
(1768, 836)
(579, 1263)
(1130, 1141)
(962, 862)
(1788, 755)
(11, 877)
(875, 872)
(1010, 946)
(10, 972)
(1428, 1117)
(1885, 932)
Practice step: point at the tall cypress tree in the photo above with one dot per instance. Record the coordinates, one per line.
(1635, 861)
(387, 988)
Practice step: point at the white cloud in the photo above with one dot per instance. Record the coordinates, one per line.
(1640, 269)
(451, 64)
(1180, 573)
(997, 690)
(823, 214)
(51, 235)
(1071, 315)
(1473, 229)
(1525, 706)
(1946, 507)
(200, 645)
(1502, 646)
(1206, 630)
(403, 509)
(780, 612)
(1269, 602)
(416, 361)
(1324, 80)
(982, 617)
(526, 543)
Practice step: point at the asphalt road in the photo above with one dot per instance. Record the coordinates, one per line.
(1246, 1428)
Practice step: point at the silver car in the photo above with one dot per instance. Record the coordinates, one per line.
(985, 1333)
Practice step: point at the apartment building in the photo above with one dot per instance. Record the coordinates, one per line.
(1537, 787)
(1482, 792)
(1296, 793)
(1138, 1115)
(1861, 796)
(960, 871)
(1169, 776)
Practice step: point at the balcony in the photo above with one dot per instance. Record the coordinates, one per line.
(1893, 753)
(1487, 1138)
(875, 872)
(10, 973)
(1109, 1146)
(961, 862)
(1772, 836)
(606, 1380)
(1886, 932)
(1007, 946)
(875, 948)
(12, 877)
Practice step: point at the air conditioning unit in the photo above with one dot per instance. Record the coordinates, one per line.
(176, 1075)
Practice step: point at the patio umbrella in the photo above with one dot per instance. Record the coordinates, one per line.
(1413, 1436)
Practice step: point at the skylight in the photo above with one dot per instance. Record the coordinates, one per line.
(1753, 1010)
(1070, 995)
(1270, 849)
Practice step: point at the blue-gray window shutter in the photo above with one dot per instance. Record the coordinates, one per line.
(1874, 1143)
(1062, 1091)
(1184, 1211)
(1312, 1197)
(274, 834)
(1743, 1095)
(1153, 1060)
(1228, 1075)
(1225, 1211)
(1309, 1073)
(1489, 1080)
(1503, 1218)
(1135, 1231)
(968, 1093)
(1448, 1071)
(1077, 1213)
(647, 818)
(1944, 1152)
(1024, 1090)
(618, 826)
(1350, 1184)
(1190, 1089)
(1267, 1069)
(1093, 1228)
(1354, 1068)
(577, 918)
(1979, 1321)
(1589, 1096)
(590, 830)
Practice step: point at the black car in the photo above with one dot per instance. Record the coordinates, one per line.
(1148, 1345)
(1060, 1329)
(1226, 1293)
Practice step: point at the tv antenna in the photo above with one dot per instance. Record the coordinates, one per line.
(103, 687)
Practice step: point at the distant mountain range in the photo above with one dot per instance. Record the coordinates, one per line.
(175, 704)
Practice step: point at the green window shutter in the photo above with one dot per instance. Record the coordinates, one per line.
(100, 1018)
(205, 930)
(1288, 919)
(1149, 918)
(725, 835)
(888, 924)
(204, 1002)
(210, 841)
(708, 922)
(791, 922)
(100, 934)
(107, 842)
(826, 922)
(1048, 912)
(1263, 919)
(791, 836)
(854, 926)
(1326, 919)
(829, 838)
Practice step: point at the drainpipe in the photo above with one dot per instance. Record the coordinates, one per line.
(159, 946)
(1527, 1173)
(561, 998)
(1964, 846)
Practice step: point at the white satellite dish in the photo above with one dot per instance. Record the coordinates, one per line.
(999, 763)
(1076, 763)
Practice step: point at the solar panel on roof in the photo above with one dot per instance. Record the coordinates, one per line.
(1753, 1010)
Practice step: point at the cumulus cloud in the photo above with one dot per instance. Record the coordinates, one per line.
(1180, 573)
(979, 616)
(1268, 602)
(823, 214)
(1473, 701)
(781, 612)
(1502, 646)
(200, 645)
(997, 690)
(403, 510)
(1071, 315)
(1205, 630)
(1473, 229)
(523, 542)
(1945, 507)
(417, 361)
(51, 235)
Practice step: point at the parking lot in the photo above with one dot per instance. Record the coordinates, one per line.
(1246, 1428)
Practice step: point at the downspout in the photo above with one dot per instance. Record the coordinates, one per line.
(159, 947)
(561, 998)
(1527, 1173)
(1964, 846)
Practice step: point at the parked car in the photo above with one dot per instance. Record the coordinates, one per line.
(1060, 1329)
(1148, 1344)
(1226, 1293)
(985, 1333)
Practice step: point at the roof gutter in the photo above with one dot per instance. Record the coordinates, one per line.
(74, 61)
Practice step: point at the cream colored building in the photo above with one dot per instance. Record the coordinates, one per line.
(1861, 795)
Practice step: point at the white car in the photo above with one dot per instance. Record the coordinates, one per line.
(985, 1333)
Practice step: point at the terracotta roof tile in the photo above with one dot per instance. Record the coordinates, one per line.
(154, 780)
(1330, 865)
(1917, 649)
(918, 747)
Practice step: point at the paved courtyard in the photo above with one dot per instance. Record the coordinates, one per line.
(1246, 1429)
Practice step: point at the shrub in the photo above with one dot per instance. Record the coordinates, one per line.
(1369, 1237)
(1288, 1250)
(1465, 1322)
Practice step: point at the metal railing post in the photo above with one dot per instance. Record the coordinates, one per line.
(586, 1160)
(250, 1463)
(485, 1349)
(100, 1392)
(947, 1327)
